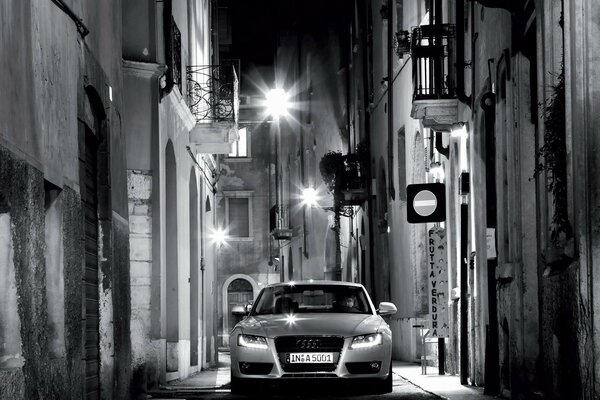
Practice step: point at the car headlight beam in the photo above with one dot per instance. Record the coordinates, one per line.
(366, 341)
(253, 342)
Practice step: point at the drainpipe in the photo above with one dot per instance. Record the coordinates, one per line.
(460, 53)
(390, 81)
(491, 378)
(370, 270)
(464, 301)
(439, 145)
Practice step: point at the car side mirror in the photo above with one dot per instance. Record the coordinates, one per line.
(386, 308)
(239, 310)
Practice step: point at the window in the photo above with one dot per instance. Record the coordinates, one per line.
(239, 148)
(399, 15)
(238, 217)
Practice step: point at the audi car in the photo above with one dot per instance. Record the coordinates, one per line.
(312, 330)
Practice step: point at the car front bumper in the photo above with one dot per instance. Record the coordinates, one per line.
(256, 364)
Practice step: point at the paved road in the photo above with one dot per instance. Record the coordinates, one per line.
(402, 390)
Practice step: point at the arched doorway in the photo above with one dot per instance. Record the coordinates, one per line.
(172, 266)
(239, 293)
(238, 289)
(194, 269)
(94, 182)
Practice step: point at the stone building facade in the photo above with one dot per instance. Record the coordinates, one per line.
(64, 230)
(171, 77)
(518, 155)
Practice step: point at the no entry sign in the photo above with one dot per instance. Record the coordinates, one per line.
(426, 202)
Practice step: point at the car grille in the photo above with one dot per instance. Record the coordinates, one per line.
(294, 344)
(290, 344)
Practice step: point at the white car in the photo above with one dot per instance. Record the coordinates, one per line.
(312, 329)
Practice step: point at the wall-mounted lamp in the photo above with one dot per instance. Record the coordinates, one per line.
(436, 169)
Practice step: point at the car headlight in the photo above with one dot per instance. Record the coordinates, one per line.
(365, 341)
(254, 342)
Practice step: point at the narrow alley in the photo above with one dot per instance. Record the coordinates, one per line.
(316, 199)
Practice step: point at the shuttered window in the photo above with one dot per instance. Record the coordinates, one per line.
(239, 217)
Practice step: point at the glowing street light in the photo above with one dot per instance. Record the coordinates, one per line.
(277, 102)
(310, 197)
(220, 236)
(437, 171)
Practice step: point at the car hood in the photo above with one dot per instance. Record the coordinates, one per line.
(311, 324)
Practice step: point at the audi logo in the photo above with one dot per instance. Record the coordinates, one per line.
(308, 344)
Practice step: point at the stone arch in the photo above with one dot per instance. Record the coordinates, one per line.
(225, 300)
(172, 259)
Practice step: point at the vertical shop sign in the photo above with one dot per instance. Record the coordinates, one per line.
(438, 282)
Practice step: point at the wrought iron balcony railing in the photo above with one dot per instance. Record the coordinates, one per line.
(280, 222)
(431, 49)
(213, 92)
(353, 182)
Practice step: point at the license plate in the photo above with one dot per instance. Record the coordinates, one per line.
(309, 358)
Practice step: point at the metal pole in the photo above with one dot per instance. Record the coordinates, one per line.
(464, 328)
(423, 353)
(441, 355)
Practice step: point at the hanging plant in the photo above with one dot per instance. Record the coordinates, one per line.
(331, 166)
(553, 160)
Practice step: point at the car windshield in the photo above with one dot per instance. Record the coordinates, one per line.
(317, 298)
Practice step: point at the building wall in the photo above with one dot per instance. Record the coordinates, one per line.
(59, 76)
(172, 262)
(250, 257)
(397, 159)
(581, 26)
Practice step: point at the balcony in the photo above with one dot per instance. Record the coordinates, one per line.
(213, 98)
(434, 96)
(279, 217)
(344, 176)
(353, 189)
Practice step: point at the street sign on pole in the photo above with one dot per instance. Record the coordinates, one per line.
(426, 202)
(438, 282)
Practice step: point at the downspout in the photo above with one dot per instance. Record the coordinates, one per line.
(439, 145)
(390, 92)
(371, 287)
(460, 54)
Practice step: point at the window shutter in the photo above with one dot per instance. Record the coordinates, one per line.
(239, 224)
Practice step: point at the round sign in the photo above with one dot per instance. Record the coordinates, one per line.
(425, 203)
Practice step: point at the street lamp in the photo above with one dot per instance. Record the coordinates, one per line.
(277, 102)
(310, 197)
(219, 237)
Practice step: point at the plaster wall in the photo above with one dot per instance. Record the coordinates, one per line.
(518, 298)
(582, 99)
(48, 65)
(248, 176)
(39, 52)
(175, 122)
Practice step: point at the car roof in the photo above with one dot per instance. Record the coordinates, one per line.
(315, 282)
